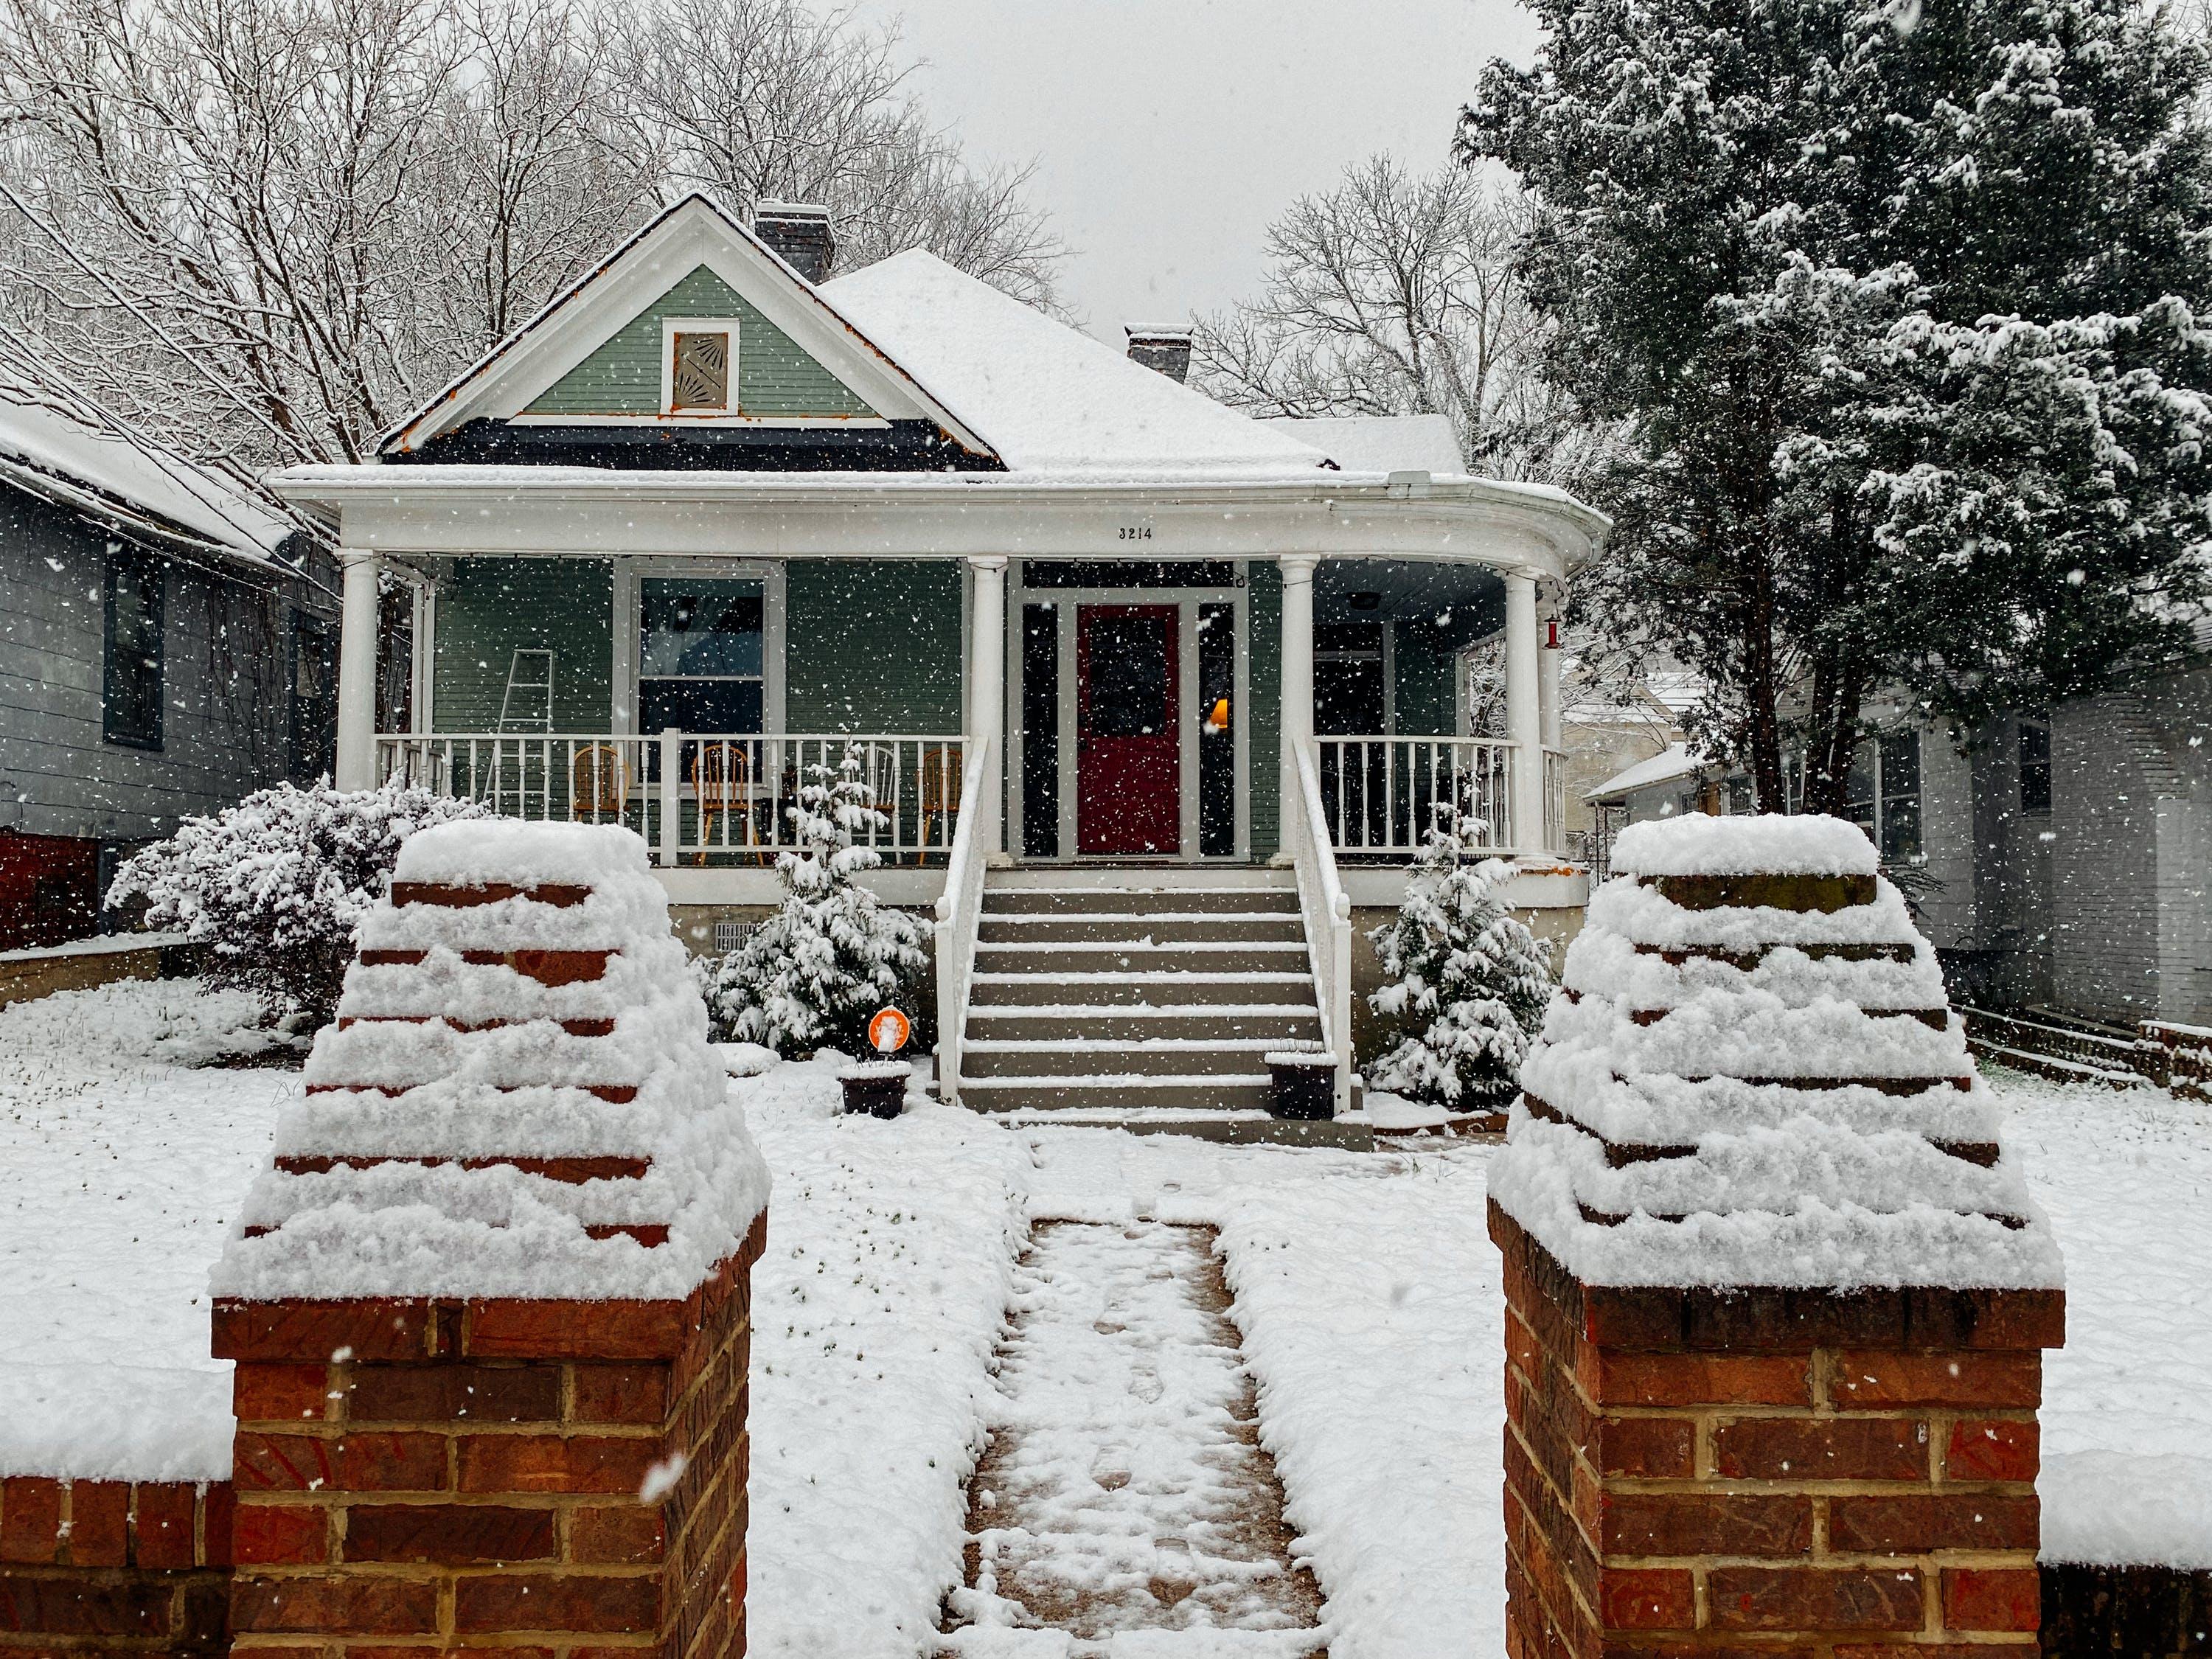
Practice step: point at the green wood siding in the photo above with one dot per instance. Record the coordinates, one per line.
(1264, 608)
(774, 375)
(1423, 665)
(491, 607)
(873, 647)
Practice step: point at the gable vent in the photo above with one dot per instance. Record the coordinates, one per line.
(800, 233)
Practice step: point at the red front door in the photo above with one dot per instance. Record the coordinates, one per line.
(1128, 754)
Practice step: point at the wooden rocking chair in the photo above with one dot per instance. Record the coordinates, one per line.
(599, 784)
(722, 778)
(940, 794)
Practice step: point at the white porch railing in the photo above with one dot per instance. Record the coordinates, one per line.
(722, 797)
(959, 914)
(1378, 794)
(1324, 904)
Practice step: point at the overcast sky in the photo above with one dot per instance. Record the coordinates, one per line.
(1168, 133)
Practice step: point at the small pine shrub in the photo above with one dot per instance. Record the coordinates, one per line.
(815, 973)
(1466, 980)
(276, 885)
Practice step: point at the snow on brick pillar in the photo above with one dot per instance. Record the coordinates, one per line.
(1777, 1300)
(490, 1306)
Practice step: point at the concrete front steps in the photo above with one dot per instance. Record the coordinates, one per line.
(1135, 994)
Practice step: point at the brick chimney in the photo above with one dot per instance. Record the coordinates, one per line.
(799, 231)
(1167, 350)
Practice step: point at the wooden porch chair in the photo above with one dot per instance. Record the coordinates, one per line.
(940, 794)
(721, 779)
(599, 784)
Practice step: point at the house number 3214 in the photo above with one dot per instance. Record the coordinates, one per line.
(1136, 532)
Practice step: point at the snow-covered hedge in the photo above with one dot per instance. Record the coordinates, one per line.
(814, 974)
(276, 885)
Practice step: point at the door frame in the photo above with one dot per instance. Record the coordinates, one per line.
(1186, 601)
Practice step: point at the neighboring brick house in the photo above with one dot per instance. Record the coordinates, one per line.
(166, 647)
(2068, 859)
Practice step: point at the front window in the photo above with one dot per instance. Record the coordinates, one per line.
(1901, 796)
(700, 654)
(131, 676)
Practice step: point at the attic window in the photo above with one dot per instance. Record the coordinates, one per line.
(699, 370)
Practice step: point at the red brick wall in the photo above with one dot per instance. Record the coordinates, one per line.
(432, 1474)
(107, 1567)
(1767, 1471)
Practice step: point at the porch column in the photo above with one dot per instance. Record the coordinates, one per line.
(357, 746)
(1298, 570)
(1524, 717)
(987, 681)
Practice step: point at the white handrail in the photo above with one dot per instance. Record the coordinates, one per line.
(1327, 908)
(960, 914)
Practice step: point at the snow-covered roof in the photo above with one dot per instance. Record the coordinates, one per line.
(1381, 443)
(132, 482)
(1047, 398)
(1674, 760)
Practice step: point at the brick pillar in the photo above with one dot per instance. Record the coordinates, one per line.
(449, 1474)
(1765, 1471)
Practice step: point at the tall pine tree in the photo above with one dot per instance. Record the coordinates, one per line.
(1898, 300)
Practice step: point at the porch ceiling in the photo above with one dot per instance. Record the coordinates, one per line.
(1465, 601)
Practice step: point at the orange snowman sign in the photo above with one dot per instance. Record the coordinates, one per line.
(889, 1030)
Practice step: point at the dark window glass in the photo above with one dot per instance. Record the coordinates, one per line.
(1348, 696)
(314, 699)
(1858, 788)
(1128, 573)
(700, 654)
(130, 698)
(1040, 732)
(2034, 768)
(1900, 795)
(699, 705)
(1128, 670)
(1217, 730)
(1362, 637)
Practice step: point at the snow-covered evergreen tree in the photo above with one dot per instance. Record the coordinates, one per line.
(815, 973)
(275, 884)
(1468, 981)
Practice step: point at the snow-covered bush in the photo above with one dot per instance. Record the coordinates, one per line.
(275, 884)
(815, 972)
(1468, 980)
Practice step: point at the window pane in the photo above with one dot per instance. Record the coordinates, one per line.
(2034, 769)
(1348, 697)
(699, 705)
(1900, 795)
(1127, 676)
(1216, 731)
(699, 626)
(1040, 731)
(131, 676)
(1858, 788)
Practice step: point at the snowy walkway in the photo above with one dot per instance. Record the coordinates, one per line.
(1125, 1489)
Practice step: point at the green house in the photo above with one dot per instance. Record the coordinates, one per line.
(705, 524)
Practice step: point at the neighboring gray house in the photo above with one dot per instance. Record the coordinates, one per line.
(166, 647)
(2068, 861)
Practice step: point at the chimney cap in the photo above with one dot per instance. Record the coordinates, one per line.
(1171, 333)
(766, 209)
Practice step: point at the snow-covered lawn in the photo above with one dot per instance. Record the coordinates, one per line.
(1366, 1290)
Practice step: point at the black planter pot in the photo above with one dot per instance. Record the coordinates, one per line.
(877, 1091)
(1305, 1087)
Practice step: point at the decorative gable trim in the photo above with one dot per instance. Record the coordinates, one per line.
(696, 231)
